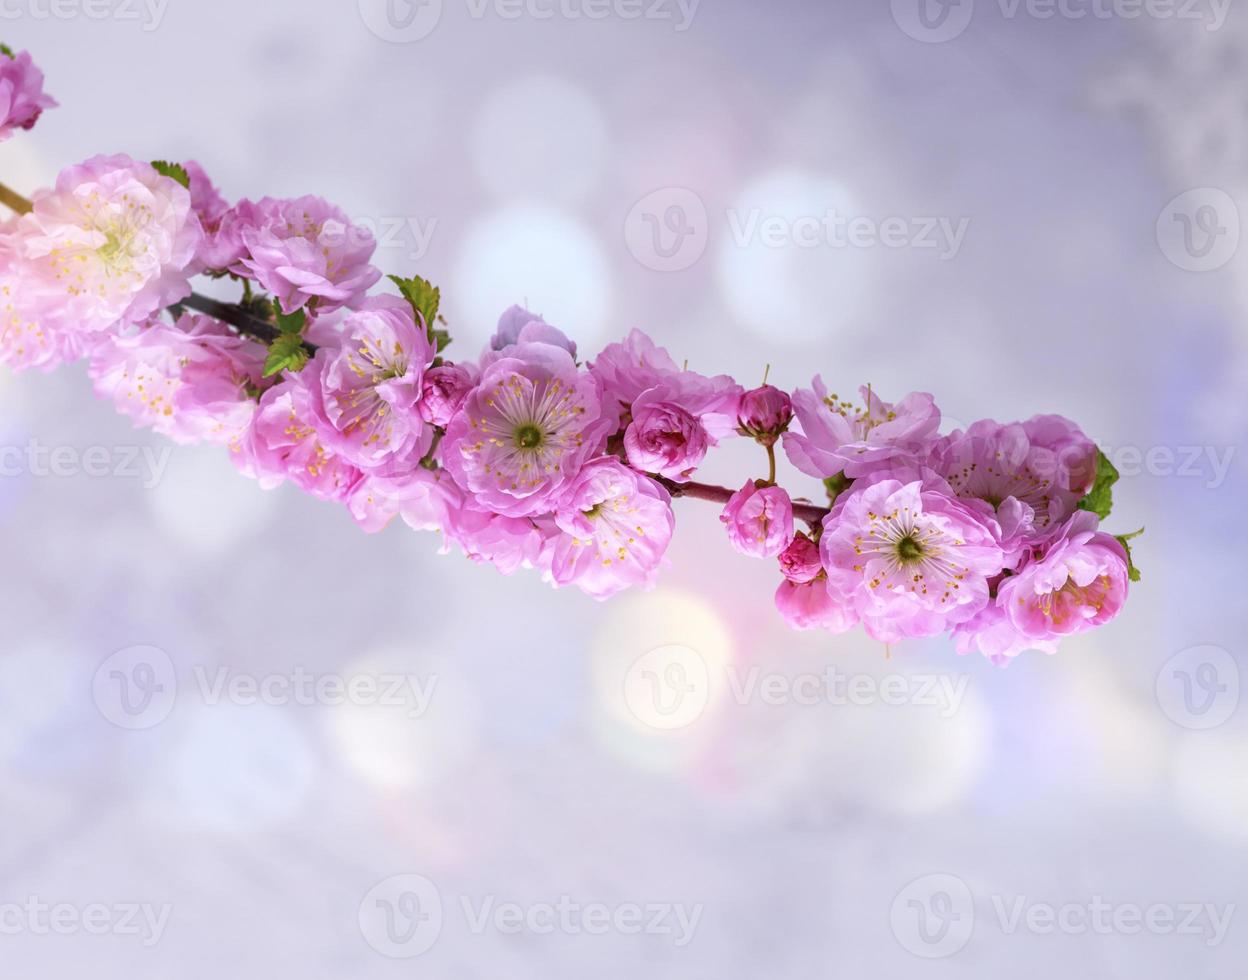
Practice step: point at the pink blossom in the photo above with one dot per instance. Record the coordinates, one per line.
(631, 369)
(840, 437)
(991, 633)
(206, 200)
(443, 391)
(27, 337)
(283, 442)
(519, 326)
(663, 438)
(911, 560)
(110, 245)
(1080, 582)
(809, 605)
(1062, 453)
(507, 543)
(765, 413)
(370, 386)
(189, 381)
(302, 250)
(799, 562)
(22, 99)
(525, 431)
(628, 368)
(999, 464)
(759, 520)
(615, 528)
(427, 500)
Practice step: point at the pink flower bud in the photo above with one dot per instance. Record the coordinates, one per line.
(759, 520)
(765, 413)
(442, 392)
(799, 562)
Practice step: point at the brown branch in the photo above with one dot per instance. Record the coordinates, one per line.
(246, 322)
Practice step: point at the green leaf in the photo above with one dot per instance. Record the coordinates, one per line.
(424, 297)
(7, 52)
(286, 353)
(1100, 499)
(290, 323)
(174, 170)
(1133, 573)
(836, 485)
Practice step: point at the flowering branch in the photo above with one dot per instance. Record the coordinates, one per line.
(531, 456)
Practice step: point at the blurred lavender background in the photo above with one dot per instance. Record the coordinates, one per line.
(240, 738)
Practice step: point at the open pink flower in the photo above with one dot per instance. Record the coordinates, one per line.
(911, 560)
(206, 200)
(302, 250)
(22, 99)
(525, 431)
(810, 605)
(370, 386)
(427, 500)
(615, 526)
(28, 335)
(1079, 582)
(759, 520)
(1000, 464)
(111, 245)
(838, 436)
(637, 375)
(283, 443)
(189, 381)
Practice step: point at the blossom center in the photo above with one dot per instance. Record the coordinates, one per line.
(528, 437)
(909, 549)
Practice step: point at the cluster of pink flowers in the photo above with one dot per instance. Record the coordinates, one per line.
(528, 456)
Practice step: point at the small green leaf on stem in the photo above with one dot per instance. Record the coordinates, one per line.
(1100, 499)
(286, 353)
(1133, 573)
(174, 170)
